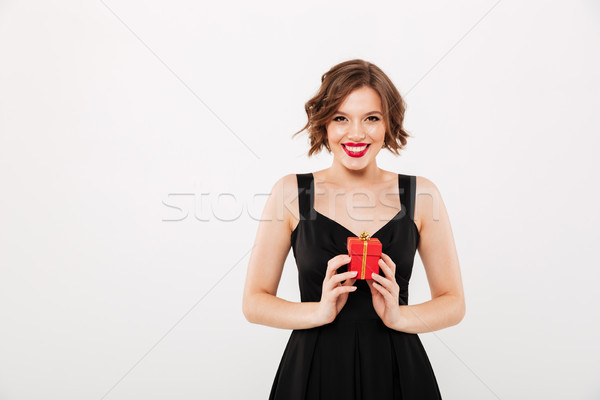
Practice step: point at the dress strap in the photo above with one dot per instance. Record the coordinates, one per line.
(305, 196)
(407, 185)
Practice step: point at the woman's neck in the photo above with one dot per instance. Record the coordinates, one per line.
(350, 178)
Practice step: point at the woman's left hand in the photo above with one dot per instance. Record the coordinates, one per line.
(385, 293)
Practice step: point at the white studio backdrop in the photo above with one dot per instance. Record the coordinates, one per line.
(138, 142)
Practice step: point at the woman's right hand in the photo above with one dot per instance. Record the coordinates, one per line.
(334, 293)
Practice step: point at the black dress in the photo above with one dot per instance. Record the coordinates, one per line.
(356, 357)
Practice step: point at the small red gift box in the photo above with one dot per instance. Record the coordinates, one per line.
(365, 253)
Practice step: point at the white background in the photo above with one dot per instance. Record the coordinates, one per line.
(112, 111)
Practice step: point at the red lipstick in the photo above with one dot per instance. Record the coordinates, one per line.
(350, 149)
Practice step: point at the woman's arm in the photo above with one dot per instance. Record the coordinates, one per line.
(271, 247)
(438, 253)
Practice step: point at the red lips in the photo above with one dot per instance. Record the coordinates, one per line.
(355, 144)
(356, 154)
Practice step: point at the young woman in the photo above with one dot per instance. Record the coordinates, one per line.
(354, 338)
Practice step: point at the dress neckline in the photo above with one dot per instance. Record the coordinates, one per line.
(395, 218)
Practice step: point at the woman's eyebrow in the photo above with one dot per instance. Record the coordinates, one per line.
(370, 112)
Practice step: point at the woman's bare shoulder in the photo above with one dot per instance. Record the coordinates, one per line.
(427, 195)
(284, 195)
(425, 185)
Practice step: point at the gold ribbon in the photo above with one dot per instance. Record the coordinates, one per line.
(365, 238)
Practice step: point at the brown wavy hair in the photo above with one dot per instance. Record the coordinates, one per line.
(336, 84)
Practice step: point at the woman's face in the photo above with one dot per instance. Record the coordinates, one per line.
(357, 125)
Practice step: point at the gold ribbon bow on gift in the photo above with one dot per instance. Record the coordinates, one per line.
(365, 238)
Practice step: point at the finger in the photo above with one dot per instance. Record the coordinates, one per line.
(343, 289)
(384, 292)
(336, 279)
(349, 281)
(382, 281)
(387, 271)
(389, 262)
(335, 263)
(390, 282)
(370, 284)
(343, 276)
(390, 285)
(374, 292)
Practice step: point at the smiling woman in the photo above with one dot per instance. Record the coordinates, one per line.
(324, 111)
(354, 338)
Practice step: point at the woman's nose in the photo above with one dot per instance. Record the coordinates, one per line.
(356, 132)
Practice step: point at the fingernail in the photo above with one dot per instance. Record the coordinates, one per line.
(354, 272)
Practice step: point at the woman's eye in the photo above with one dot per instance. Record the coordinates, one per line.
(372, 116)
